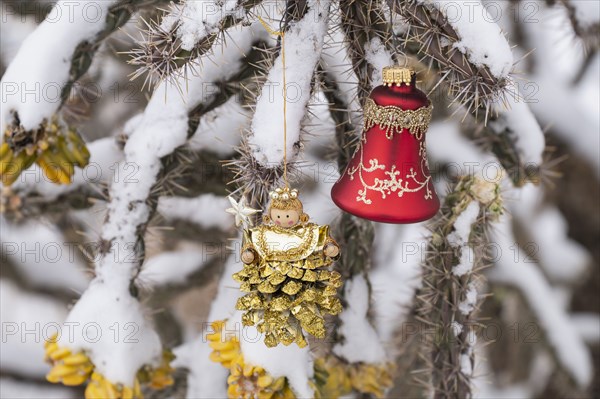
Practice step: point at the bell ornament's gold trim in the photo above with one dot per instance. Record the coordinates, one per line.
(397, 75)
(393, 120)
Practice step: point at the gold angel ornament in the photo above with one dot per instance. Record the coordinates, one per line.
(286, 275)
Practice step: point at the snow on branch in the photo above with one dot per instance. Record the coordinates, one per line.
(341, 88)
(189, 30)
(472, 54)
(25, 310)
(303, 44)
(563, 259)
(334, 61)
(565, 96)
(481, 41)
(206, 210)
(572, 116)
(291, 361)
(54, 56)
(163, 128)
(366, 34)
(399, 253)
(446, 143)
(208, 379)
(588, 326)
(220, 130)
(515, 119)
(205, 379)
(199, 19)
(172, 267)
(107, 302)
(540, 372)
(544, 223)
(525, 275)
(65, 271)
(585, 19)
(360, 342)
(14, 388)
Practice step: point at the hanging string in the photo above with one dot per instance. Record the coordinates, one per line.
(282, 36)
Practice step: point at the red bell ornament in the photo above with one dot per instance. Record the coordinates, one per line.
(388, 178)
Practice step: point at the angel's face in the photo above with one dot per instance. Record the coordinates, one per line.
(285, 218)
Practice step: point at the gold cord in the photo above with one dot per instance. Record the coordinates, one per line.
(282, 35)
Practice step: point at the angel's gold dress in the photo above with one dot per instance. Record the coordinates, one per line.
(289, 286)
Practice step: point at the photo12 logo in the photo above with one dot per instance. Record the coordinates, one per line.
(69, 332)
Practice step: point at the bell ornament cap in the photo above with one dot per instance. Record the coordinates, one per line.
(397, 75)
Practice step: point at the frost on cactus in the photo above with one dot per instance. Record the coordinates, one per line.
(132, 236)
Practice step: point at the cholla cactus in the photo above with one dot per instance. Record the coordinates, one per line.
(336, 378)
(451, 283)
(55, 148)
(245, 379)
(73, 369)
(113, 198)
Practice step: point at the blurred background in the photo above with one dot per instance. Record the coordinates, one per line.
(533, 317)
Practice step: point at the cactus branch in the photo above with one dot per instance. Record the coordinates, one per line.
(452, 272)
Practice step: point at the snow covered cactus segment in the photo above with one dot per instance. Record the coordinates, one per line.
(219, 130)
(73, 366)
(20, 309)
(378, 57)
(466, 45)
(258, 372)
(200, 19)
(399, 250)
(334, 60)
(39, 80)
(213, 214)
(207, 378)
(121, 341)
(63, 272)
(169, 49)
(563, 259)
(360, 341)
(523, 274)
(303, 44)
(481, 41)
(159, 270)
(515, 119)
(361, 356)
(585, 19)
(162, 128)
(451, 276)
(50, 60)
(297, 367)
